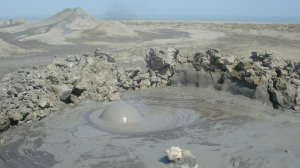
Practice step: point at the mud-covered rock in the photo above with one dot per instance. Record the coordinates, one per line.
(157, 60)
(259, 77)
(181, 158)
(32, 94)
(4, 123)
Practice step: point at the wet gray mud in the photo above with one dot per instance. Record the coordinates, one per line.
(220, 130)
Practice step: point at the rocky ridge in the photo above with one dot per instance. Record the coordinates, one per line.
(32, 94)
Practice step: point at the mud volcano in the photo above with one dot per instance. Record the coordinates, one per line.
(120, 117)
(138, 118)
(220, 129)
(121, 113)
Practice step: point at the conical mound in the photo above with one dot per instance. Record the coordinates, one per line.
(111, 28)
(74, 19)
(21, 20)
(80, 20)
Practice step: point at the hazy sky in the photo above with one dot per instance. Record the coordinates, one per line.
(127, 9)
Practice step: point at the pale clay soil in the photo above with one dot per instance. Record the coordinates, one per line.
(187, 37)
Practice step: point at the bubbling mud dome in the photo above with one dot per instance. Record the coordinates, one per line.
(121, 113)
(119, 116)
(139, 118)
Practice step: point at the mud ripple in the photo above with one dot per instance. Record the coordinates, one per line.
(154, 119)
(23, 153)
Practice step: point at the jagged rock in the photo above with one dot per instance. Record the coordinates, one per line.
(270, 74)
(141, 76)
(260, 55)
(296, 108)
(155, 79)
(80, 87)
(65, 91)
(285, 98)
(37, 83)
(62, 63)
(181, 59)
(174, 153)
(4, 123)
(181, 158)
(297, 99)
(15, 115)
(250, 72)
(296, 82)
(43, 102)
(114, 96)
(104, 55)
(157, 60)
(145, 84)
(165, 73)
(74, 99)
(280, 84)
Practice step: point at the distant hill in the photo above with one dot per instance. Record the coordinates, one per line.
(111, 28)
(20, 20)
(74, 19)
(56, 30)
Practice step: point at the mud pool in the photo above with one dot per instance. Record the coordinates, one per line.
(220, 129)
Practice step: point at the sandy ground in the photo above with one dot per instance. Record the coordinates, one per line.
(229, 130)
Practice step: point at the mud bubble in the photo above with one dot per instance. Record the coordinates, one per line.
(138, 117)
(118, 116)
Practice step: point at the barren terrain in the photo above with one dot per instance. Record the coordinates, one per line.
(57, 36)
(220, 129)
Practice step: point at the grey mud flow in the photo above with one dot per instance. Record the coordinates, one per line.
(220, 130)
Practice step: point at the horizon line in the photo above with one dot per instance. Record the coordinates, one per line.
(232, 18)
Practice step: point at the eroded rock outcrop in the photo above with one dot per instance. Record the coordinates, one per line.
(261, 77)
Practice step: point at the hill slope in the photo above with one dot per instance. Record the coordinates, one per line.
(56, 30)
(111, 28)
